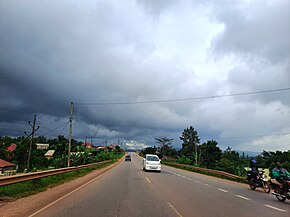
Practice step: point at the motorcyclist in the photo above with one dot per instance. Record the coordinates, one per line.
(280, 173)
(254, 169)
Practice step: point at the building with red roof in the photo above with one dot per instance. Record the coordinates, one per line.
(12, 147)
(10, 150)
(5, 165)
(87, 145)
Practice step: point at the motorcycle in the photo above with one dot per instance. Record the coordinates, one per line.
(258, 180)
(277, 189)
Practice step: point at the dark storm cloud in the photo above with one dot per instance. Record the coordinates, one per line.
(55, 52)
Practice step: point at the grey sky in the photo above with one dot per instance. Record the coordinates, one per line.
(55, 52)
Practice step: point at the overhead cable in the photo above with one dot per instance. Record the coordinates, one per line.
(181, 99)
(55, 128)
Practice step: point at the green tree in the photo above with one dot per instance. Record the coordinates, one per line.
(210, 154)
(231, 162)
(190, 140)
(4, 143)
(165, 146)
(149, 150)
(21, 153)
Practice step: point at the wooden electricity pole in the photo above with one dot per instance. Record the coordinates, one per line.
(31, 140)
(70, 132)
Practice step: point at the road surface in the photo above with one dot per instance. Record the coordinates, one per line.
(128, 191)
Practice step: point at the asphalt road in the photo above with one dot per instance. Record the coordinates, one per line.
(127, 191)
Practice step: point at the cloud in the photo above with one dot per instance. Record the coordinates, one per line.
(55, 52)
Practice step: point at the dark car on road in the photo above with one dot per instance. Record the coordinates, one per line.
(128, 158)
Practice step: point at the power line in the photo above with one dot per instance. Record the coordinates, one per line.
(63, 128)
(182, 99)
(55, 129)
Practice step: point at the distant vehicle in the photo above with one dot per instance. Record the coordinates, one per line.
(128, 158)
(151, 162)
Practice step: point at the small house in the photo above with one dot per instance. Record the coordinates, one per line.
(6, 166)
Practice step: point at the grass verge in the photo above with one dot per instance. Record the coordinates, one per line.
(185, 167)
(24, 189)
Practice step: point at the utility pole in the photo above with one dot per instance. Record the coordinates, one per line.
(31, 140)
(70, 132)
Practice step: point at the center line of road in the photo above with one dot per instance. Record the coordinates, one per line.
(174, 209)
(245, 198)
(148, 180)
(223, 190)
(275, 208)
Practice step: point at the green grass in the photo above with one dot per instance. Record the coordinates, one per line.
(23, 189)
(203, 172)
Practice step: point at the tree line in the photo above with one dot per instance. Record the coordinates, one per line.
(79, 154)
(209, 155)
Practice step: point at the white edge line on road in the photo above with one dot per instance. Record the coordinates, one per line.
(240, 196)
(174, 209)
(275, 208)
(223, 190)
(59, 199)
(148, 180)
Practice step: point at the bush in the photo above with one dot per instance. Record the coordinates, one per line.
(184, 160)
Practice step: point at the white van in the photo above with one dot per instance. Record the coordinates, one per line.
(151, 162)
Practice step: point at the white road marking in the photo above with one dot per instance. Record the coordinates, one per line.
(189, 178)
(206, 184)
(183, 177)
(197, 181)
(275, 208)
(59, 199)
(174, 209)
(178, 174)
(148, 180)
(223, 190)
(245, 198)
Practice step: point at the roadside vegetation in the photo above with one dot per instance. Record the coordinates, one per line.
(209, 155)
(23, 189)
(80, 153)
